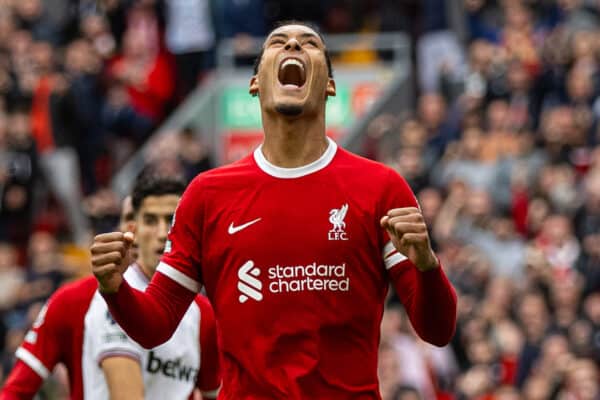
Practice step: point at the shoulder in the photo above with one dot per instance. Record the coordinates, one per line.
(373, 181)
(81, 290)
(67, 305)
(364, 168)
(223, 175)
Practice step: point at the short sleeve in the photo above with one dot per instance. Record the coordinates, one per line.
(111, 340)
(42, 347)
(181, 259)
(209, 377)
(398, 194)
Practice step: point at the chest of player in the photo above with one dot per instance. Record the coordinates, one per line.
(313, 245)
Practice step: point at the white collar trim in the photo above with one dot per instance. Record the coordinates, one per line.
(138, 270)
(288, 173)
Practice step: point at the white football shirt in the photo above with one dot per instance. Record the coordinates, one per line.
(170, 371)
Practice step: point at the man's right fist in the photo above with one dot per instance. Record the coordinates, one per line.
(110, 259)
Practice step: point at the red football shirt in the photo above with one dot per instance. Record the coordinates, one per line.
(66, 331)
(297, 268)
(56, 336)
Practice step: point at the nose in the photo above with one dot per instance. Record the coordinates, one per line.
(293, 44)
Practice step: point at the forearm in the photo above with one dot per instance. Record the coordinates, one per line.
(430, 301)
(22, 383)
(150, 317)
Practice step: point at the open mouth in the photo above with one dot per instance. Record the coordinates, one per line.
(292, 73)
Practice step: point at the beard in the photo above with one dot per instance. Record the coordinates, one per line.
(289, 110)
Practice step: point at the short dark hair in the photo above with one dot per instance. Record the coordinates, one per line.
(153, 183)
(294, 22)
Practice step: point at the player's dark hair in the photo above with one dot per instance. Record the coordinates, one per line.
(153, 183)
(294, 22)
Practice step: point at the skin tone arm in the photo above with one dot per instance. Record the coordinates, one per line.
(124, 378)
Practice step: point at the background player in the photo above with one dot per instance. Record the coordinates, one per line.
(75, 328)
(295, 245)
(170, 370)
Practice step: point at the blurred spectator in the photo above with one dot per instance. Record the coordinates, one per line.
(43, 19)
(84, 97)
(581, 380)
(95, 29)
(463, 161)
(142, 86)
(179, 152)
(387, 370)
(11, 276)
(194, 154)
(242, 21)
(591, 312)
(103, 209)
(18, 175)
(538, 388)
(54, 137)
(191, 37)
(534, 318)
(45, 271)
(438, 120)
(438, 49)
(578, 14)
(558, 245)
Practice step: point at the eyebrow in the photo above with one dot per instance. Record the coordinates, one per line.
(308, 35)
(281, 35)
(285, 36)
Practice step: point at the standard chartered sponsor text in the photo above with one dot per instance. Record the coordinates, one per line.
(311, 277)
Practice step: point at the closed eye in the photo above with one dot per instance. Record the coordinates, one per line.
(312, 43)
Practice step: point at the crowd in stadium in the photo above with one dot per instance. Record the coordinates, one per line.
(501, 149)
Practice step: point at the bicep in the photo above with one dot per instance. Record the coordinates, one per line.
(123, 377)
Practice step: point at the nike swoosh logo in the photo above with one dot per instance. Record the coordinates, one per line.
(234, 229)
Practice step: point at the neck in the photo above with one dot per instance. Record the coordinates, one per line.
(293, 142)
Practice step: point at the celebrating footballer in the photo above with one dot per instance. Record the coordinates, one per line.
(296, 246)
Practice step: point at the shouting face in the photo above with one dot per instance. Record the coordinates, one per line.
(293, 77)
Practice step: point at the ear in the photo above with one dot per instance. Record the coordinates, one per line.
(253, 90)
(330, 91)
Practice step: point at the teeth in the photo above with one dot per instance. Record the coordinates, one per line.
(291, 61)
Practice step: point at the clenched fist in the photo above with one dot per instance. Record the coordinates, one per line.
(110, 259)
(408, 232)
